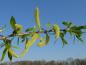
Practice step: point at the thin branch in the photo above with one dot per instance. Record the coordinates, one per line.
(26, 33)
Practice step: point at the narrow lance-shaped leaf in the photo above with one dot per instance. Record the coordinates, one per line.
(37, 19)
(67, 24)
(48, 25)
(80, 27)
(79, 38)
(29, 29)
(12, 53)
(32, 29)
(12, 22)
(7, 46)
(9, 56)
(63, 39)
(3, 54)
(16, 27)
(77, 31)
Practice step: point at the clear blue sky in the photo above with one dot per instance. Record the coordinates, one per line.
(54, 11)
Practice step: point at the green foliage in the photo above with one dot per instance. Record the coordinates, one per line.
(77, 31)
(9, 56)
(3, 54)
(67, 24)
(33, 29)
(32, 34)
(12, 22)
(63, 39)
(16, 27)
(12, 53)
(49, 25)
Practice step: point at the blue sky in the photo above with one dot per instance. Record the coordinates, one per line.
(53, 11)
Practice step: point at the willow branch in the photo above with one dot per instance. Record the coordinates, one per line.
(26, 33)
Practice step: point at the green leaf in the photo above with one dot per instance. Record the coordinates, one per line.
(49, 25)
(71, 33)
(9, 56)
(79, 38)
(47, 38)
(63, 33)
(82, 27)
(12, 22)
(7, 43)
(3, 54)
(63, 39)
(78, 28)
(22, 38)
(68, 24)
(75, 30)
(31, 29)
(12, 53)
